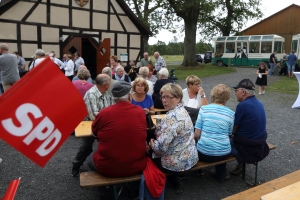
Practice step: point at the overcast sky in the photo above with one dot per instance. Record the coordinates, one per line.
(269, 7)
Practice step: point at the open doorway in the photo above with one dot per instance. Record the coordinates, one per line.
(90, 57)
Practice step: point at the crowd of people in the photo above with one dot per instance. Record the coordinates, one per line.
(119, 100)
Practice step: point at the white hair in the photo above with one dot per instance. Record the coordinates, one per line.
(252, 92)
(164, 72)
(119, 67)
(123, 98)
(40, 52)
(107, 70)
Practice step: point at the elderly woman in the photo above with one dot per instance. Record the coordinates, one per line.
(163, 80)
(120, 75)
(114, 64)
(83, 85)
(39, 57)
(140, 97)
(212, 130)
(69, 68)
(143, 72)
(174, 149)
(150, 76)
(193, 95)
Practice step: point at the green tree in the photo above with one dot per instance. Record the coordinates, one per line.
(151, 13)
(229, 16)
(189, 11)
(202, 47)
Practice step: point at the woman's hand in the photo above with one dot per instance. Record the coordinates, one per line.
(201, 91)
(146, 110)
(151, 143)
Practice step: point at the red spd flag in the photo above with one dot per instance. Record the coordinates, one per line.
(40, 111)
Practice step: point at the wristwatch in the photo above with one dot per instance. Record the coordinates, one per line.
(203, 96)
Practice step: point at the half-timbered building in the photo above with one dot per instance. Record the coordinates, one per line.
(96, 29)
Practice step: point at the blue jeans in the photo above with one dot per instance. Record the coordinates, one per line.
(291, 68)
(271, 68)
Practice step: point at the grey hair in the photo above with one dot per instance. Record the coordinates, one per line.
(119, 67)
(107, 70)
(40, 52)
(252, 92)
(123, 98)
(4, 46)
(144, 71)
(102, 80)
(164, 72)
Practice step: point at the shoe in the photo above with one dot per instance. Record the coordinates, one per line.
(263, 92)
(200, 172)
(238, 170)
(173, 179)
(259, 93)
(227, 175)
(0, 160)
(75, 171)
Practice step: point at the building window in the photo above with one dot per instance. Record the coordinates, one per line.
(278, 47)
(254, 47)
(266, 47)
(294, 45)
(230, 46)
(219, 49)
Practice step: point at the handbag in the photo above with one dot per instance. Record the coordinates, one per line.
(150, 128)
(193, 113)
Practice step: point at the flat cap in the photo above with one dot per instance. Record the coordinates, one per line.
(121, 88)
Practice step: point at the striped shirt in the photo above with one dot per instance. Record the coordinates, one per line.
(95, 101)
(216, 124)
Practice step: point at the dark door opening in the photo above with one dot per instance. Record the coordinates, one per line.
(90, 57)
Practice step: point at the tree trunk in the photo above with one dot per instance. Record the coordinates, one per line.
(145, 43)
(190, 23)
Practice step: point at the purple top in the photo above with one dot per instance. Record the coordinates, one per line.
(82, 87)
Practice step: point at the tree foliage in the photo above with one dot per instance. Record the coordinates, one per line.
(229, 16)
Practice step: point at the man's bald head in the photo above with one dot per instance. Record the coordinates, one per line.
(82, 67)
(102, 79)
(3, 48)
(156, 54)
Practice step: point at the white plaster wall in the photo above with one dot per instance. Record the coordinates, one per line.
(122, 40)
(117, 7)
(28, 50)
(133, 54)
(39, 14)
(50, 34)
(48, 48)
(81, 18)
(135, 41)
(18, 11)
(100, 5)
(59, 16)
(130, 27)
(99, 21)
(28, 32)
(109, 35)
(12, 47)
(115, 24)
(62, 2)
(8, 31)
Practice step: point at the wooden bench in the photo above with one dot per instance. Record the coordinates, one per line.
(257, 192)
(94, 179)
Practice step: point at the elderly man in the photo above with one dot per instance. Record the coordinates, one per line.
(144, 61)
(119, 153)
(160, 62)
(120, 75)
(95, 100)
(78, 61)
(40, 56)
(75, 78)
(8, 67)
(250, 135)
(107, 70)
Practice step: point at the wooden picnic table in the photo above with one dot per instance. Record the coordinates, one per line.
(84, 129)
(159, 110)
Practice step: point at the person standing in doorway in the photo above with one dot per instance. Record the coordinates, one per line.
(78, 61)
(272, 63)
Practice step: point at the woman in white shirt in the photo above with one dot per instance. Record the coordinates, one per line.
(193, 95)
(143, 72)
(69, 68)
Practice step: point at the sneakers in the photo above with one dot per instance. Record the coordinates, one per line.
(238, 170)
(259, 93)
(263, 92)
(75, 171)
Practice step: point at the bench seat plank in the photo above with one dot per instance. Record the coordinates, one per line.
(257, 192)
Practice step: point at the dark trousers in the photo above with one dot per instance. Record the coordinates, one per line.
(220, 169)
(86, 148)
(70, 77)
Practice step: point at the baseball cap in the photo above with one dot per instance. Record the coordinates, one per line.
(246, 84)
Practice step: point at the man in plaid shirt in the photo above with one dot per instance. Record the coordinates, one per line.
(160, 62)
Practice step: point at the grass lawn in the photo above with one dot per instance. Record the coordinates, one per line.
(284, 85)
(171, 58)
(202, 70)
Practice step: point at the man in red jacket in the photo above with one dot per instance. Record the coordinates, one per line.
(121, 130)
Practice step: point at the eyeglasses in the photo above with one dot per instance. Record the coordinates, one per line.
(237, 90)
(166, 98)
(197, 84)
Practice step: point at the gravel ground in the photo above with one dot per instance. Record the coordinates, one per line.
(55, 180)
